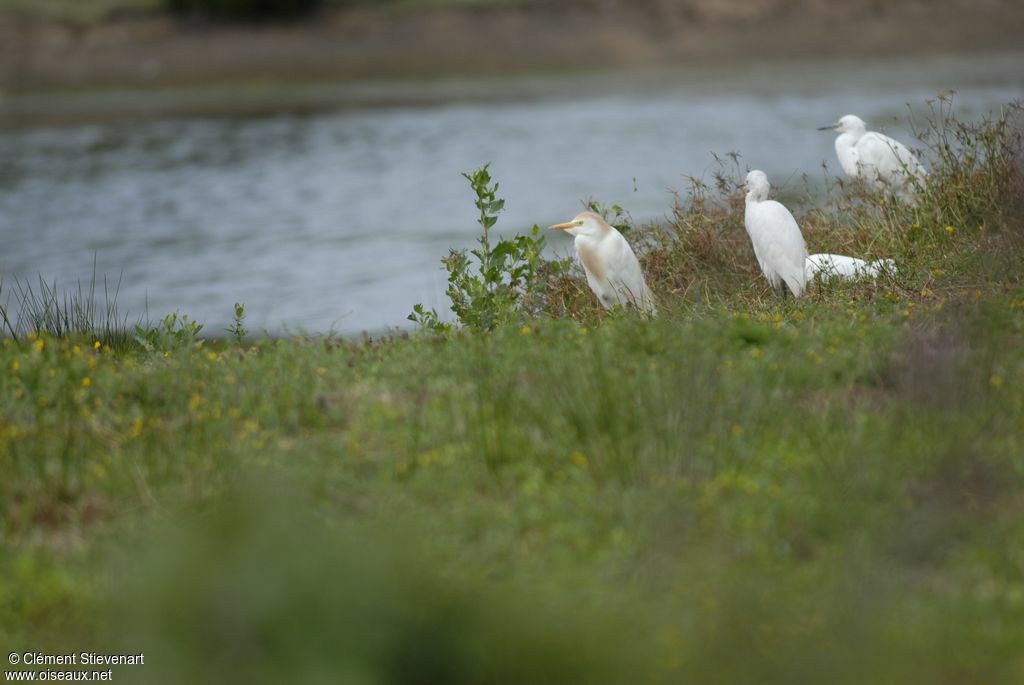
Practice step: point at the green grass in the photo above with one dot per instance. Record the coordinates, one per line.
(742, 490)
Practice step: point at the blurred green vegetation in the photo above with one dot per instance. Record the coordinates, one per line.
(743, 490)
(87, 10)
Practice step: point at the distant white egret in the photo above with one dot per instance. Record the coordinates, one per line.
(846, 268)
(885, 163)
(613, 271)
(778, 244)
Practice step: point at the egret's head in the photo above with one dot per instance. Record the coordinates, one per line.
(586, 223)
(848, 124)
(757, 186)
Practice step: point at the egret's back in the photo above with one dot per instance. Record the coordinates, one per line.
(778, 244)
(843, 267)
(888, 163)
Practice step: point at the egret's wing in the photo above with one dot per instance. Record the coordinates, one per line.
(811, 268)
(816, 264)
(837, 265)
(627, 275)
(888, 158)
(847, 154)
(758, 231)
(778, 240)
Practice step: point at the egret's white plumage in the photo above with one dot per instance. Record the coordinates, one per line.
(778, 244)
(613, 271)
(843, 267)
(884, 162)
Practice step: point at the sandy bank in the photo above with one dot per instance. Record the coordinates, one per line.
(362, 43)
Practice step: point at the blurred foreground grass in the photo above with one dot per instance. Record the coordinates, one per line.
(743, 490)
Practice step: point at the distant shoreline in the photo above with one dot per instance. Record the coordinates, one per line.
(41, 54)
(929, 74)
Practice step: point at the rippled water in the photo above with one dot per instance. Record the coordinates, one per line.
(336, 220)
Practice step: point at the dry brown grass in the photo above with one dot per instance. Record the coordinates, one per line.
(966, 233)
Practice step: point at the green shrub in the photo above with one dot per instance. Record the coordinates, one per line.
(492, 284)
(174, 331)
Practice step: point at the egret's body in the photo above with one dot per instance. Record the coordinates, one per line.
(778, 244)
(882, 161)
(612, 269)
(843, 267)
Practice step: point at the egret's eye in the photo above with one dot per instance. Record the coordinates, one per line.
(579, 223)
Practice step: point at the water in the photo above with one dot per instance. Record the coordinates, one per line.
(335, 220)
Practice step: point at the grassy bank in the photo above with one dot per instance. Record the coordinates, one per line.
(743, 490)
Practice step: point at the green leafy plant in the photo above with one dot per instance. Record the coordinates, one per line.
(237, 328)
(428, 320)
(174, 331)
(492, 284)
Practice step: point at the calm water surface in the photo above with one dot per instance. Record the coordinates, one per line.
(336, 220)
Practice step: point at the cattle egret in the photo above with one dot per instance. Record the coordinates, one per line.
(613, 271)
(778, 244)
(885, 163)
(846, 268)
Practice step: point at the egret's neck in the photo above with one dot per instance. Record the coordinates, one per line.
(850, 138)
(594, 235)
(755, 195)
(587, 249)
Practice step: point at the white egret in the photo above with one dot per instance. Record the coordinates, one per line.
(885, 163)
(846, 268)
(613, 271)
(778, 244)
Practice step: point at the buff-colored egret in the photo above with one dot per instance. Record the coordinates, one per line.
(827, 266)
(882, 161)
(778, 244)
(612, 269)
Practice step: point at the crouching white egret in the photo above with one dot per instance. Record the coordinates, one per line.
(778, 244)
(613, 271)
(882, 161)
(847, 268)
